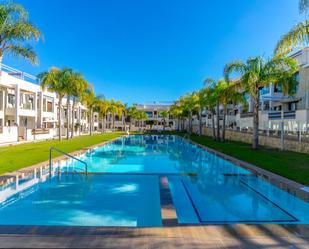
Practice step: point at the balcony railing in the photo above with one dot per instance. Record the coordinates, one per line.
(27, 106)
(246, 115)
(286, 115)
(19, 74)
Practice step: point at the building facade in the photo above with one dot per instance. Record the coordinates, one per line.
(29, 113)
(155, 119)
(276, 109)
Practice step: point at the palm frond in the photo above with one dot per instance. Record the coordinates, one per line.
(16, 30)
(20, 31)
(26, 52)
(297, 36)
(303, 6)
(235, 66)
(209, 82)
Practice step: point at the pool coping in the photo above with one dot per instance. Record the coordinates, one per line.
(281, 182)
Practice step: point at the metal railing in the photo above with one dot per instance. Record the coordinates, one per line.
(278, 115)
(18, 74)
(66, 154)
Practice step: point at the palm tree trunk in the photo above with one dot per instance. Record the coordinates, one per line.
(182, 124)
(103, 124)
(218, 121)
(73, 117)
(213, 124)
(200, 122)
(68, 117)
(113, 122)
(223, 125)
(59, 117)
(255, 135)
(123, 122)
(190, 122)
(90, 122)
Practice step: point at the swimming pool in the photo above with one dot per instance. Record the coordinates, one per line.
(122, 189)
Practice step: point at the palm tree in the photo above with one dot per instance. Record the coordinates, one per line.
(201, 102)
(54, 80)
(116, 108)
(228, 93)
(16, 31)
(297, 36)
(177, 111)
(90, 100)
(78, 88)
(102, 108)
(132, 114)
(140, 116)
(68, 84)
(189, 105)
(121, 109)
(257, 73)
(213, 103)
(164, 114)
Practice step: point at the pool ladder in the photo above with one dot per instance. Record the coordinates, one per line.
(66, 154)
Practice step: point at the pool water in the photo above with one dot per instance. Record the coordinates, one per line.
(122, 189)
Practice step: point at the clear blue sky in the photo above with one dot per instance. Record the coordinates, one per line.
(154, 50)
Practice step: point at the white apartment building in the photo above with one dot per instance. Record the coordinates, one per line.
(155, 121)
(275, 107)
(29, 113)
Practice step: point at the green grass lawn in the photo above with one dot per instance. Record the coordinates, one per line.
(19, 156)
(292, 165)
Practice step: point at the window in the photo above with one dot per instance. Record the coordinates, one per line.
(11, 101)
(48, 104)
(264, 90)
(27, 101)
(278, 88)
(266, 105)
(292, 106)
(297, 78)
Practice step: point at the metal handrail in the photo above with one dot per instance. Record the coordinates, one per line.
(66, 154)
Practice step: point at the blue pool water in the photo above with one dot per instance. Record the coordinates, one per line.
(122, 189)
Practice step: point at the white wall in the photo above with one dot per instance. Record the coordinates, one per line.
(9, 134)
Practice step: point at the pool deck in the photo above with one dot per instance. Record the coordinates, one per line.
(173, 236)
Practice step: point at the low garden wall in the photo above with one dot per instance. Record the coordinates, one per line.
(269, 141)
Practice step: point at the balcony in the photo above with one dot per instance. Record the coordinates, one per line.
(286, 115)
(246, 115)
(27, 106)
